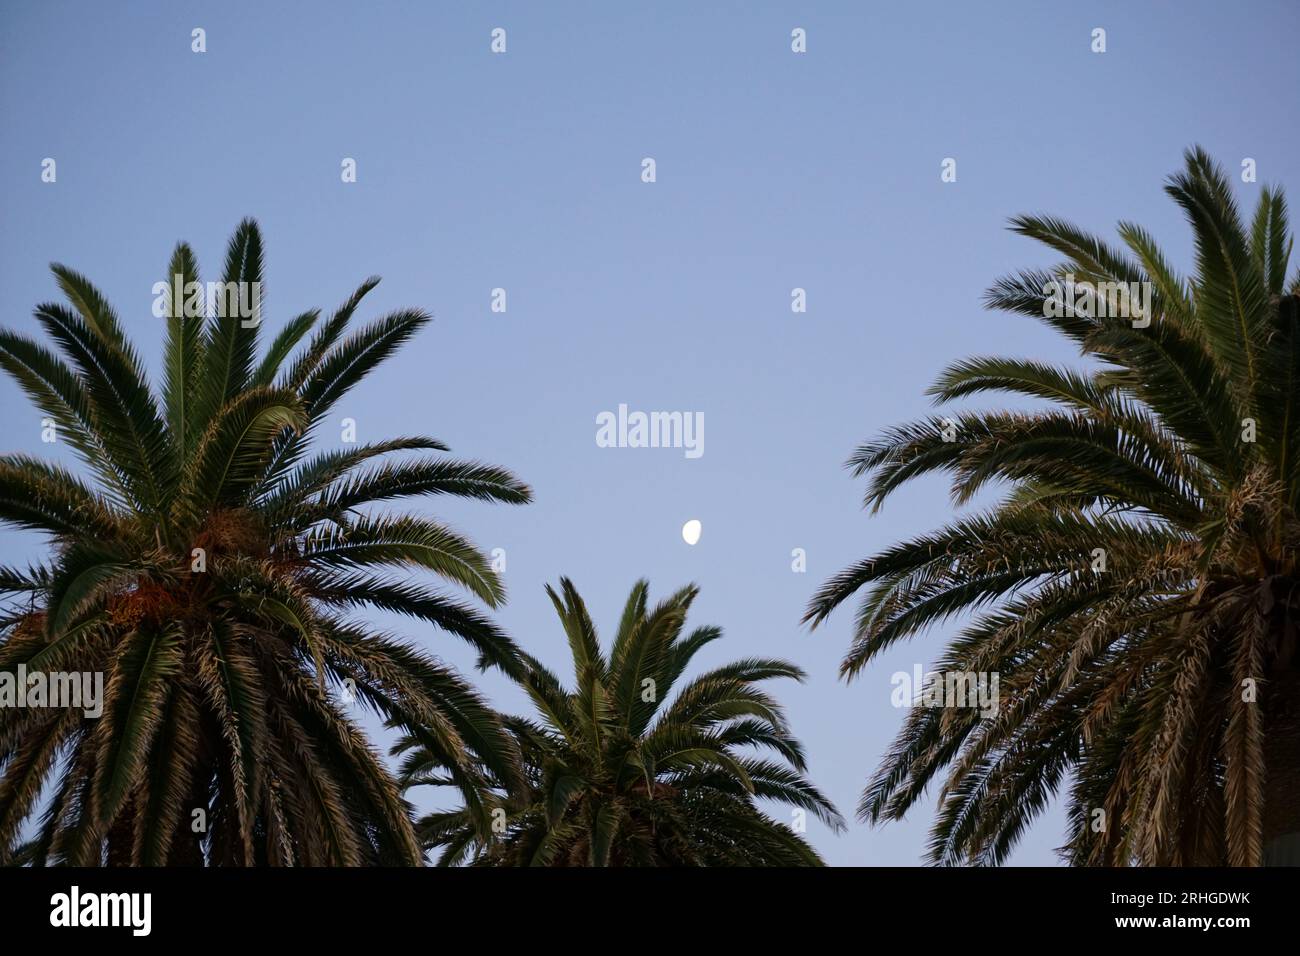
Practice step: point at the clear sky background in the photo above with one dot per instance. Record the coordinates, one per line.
(522, 171)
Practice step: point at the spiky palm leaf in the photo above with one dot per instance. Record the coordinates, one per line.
(207, 571)
(620, 771)
(1164, 687)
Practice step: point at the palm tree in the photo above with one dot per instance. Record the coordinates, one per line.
(619, 775)
(206, 569)
(1136, 587)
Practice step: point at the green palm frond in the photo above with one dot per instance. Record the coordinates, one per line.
(204, 567)
(1137, 589)
(622, 771)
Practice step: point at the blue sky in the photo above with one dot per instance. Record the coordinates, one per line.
(522, 171)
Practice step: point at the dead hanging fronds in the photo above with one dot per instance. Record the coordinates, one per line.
(237, 531)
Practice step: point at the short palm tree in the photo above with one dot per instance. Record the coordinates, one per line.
(617, 774)
(206, 568)
(1137, 588)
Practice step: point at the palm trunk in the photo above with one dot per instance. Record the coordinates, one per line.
(1282, 765)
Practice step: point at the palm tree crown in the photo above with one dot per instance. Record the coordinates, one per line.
(1137, 586)
(206, 570)
(619, 774)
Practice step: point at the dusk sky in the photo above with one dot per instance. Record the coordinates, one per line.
(522, 171)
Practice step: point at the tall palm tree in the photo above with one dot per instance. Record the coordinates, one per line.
(205, 568)
(1136, 587)
(617, 774)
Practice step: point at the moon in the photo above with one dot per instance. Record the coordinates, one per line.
(691, 531)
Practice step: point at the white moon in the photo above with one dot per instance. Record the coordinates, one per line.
(691, 531)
